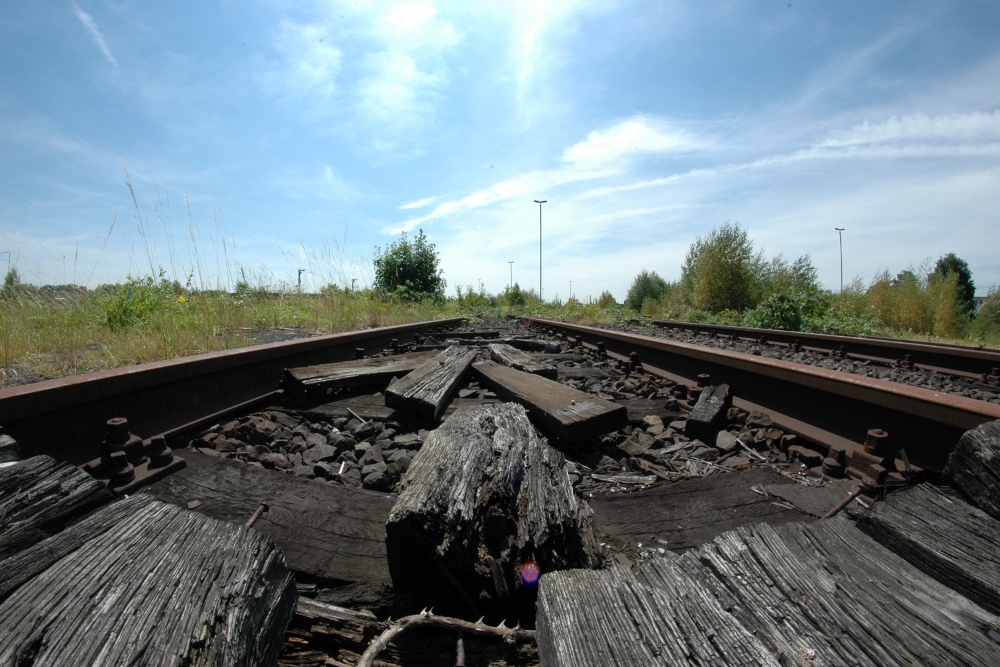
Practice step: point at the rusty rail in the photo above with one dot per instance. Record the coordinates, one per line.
(975, 363)
(65, 418)
(828, 408)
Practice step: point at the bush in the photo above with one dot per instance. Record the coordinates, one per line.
(606, 300)
(778, 311)
(951, 264)
(986, 326)
(409, 269)
(513, 296)
(134, 303)
(722, 271)
(647, 285)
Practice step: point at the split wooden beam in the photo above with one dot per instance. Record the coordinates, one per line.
(709, 413)
(974, 467)
(522, 361)
(567, 413)
(40, 495)
(153, 584)
(426, 390)
(485, 506)
(957, 544)
(357, 373)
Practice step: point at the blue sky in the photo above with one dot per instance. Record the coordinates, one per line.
(263, 137)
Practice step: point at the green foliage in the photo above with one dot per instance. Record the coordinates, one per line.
(722, 271)
(646, 286)
(409, 269)
(606, 300)
(778, 311)
(11, 282)
(134, 303)
(513, 296)
(986, 326)
(952, 264)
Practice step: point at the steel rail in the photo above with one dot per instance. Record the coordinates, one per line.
(65, 417)
(971, 362)
(829, 408)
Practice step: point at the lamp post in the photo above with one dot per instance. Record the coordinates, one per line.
(571, 290)
(510, 285)
(540, 202)
(840, 235)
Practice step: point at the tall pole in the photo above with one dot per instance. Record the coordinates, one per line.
(510, 285)
(840, 235)
(571, 289)
(540, 202)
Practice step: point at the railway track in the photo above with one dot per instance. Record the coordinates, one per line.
(281, 451)
(982, 366)
(828, 408)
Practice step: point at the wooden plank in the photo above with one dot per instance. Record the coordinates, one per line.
(23, 566)
(825, 593)
(365, 406)
(360, 372)
(567, 413)
(40, 495)
(426, 390)
(483, 496)
(690, 512)
(327, 531)
(522, 361)
(165, 586)
(709, 414)
(974, 467)
(946, 538)
(620, 617)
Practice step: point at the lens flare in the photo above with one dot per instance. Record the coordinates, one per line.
(530, 573)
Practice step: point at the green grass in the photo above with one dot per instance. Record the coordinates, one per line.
(52, 333)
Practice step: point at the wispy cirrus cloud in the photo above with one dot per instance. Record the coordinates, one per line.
(420, 203)
(602, 154)
(88, 22)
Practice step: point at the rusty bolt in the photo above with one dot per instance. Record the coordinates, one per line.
(634, 363)
(159, 454)
(359, 353)
(833, 464)
(119, 439)
(394, 344)
(694, 393)
(877, 442)
(796, 345)
(601, 350)
(907, 362)
(704, 379)
(121, 471)
(874, 480)
(994, 377)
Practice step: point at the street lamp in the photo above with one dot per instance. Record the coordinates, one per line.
(571, 289)
(540, 202)
(510, 285)
(840, 235)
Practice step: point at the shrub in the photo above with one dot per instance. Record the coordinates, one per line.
(134, 303)
(722, 271)
(951, 264)
(606, 300)
(409, 269)
(986, 326)
(778, 311)
(647, 285)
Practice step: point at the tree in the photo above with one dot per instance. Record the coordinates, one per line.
(722, 271)
(647, 285)
(951, 263)
(409, 269)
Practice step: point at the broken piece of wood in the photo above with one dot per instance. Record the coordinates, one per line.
(484, 507)
(568, 413)
(356, 373)
(426, 390)
(514, 358)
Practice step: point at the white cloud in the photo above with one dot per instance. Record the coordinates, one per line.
(639, 134)
(95, 34)
(314, 63)
(339, 186)
(420, 203)
(970, 128)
